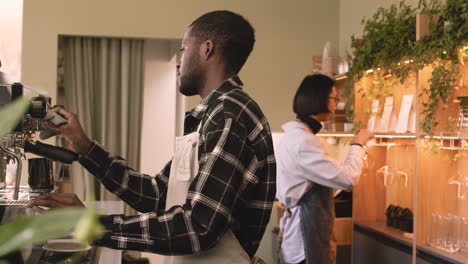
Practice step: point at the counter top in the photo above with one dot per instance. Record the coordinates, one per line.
(387, 231)
(41, 256)
(455, 258)
(423, 251)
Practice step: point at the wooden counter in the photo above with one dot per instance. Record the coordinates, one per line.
(391, 246)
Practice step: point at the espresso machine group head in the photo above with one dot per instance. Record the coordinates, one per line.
(22, 140)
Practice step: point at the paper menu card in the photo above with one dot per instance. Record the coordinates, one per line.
(404, 123)
(387, 122)
(393, 122)
(373, 120)
(412, 121)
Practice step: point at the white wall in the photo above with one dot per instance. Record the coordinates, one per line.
(160, 106)
(11, 18)
(351, 14)
(288, 34)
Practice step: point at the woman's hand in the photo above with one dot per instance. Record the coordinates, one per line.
(363, 136)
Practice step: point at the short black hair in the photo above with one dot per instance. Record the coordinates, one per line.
(229, 31)
(312, 95)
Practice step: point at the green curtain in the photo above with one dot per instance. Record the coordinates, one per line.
(103, 84)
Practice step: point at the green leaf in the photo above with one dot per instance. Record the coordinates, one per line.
(88, 228)
(34, 230)
(11, 114)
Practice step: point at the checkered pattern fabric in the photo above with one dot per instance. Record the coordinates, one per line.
(234, 188)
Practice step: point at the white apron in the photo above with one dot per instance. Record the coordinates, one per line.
(183, 170)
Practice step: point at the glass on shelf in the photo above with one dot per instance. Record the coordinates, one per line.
(447, 232)
(461, 181)
(434, 238)
(464, 234)
(391, 173)
(452, 233)
(386, 172)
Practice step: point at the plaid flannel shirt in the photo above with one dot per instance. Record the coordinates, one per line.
(234, 188)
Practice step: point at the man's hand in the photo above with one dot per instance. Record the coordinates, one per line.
(72, 131)
(56, 200)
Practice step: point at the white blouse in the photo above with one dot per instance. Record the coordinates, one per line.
(301, 161)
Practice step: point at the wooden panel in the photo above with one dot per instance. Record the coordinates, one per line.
(371, 197)
(435, 195)
(423, 25)
(401, 158)
(369, 193)
(446, 112)
(369, 85)
(343, 230)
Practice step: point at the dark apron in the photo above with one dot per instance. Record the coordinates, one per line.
(317, 213)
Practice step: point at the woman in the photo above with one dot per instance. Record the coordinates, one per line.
(307, 175)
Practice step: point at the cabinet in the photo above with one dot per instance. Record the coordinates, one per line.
(426, 186)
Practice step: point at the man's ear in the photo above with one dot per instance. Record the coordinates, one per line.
(207, 49)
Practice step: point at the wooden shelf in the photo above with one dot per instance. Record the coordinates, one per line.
(428, 162)
(335, 134)
(339, 77)
(451, 135)
(377, 135)
(440, 135)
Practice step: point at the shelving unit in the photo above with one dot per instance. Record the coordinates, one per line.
(428, 163)
(377, 135)
(427, 190)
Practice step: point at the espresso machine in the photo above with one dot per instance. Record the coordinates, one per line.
(22, 140)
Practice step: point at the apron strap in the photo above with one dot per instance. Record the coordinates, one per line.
(285, 211)
(200, 125)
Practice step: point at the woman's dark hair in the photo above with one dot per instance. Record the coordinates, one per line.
(312, 95)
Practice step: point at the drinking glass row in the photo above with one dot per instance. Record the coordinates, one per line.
(448, 232)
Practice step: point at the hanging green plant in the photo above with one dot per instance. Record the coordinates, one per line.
(440, 87)
(385, 35)
(380, 88)
(389, 43)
